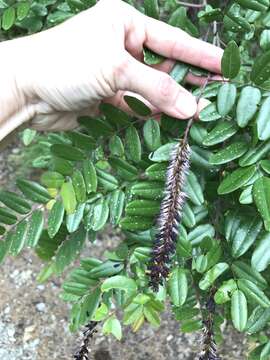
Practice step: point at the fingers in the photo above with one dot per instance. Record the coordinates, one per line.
(157, 87)
(174, 43)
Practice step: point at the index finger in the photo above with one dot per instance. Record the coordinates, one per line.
(175, 43)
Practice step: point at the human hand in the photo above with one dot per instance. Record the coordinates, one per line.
(97, 56)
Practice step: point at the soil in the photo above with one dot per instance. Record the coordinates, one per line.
(34, 321)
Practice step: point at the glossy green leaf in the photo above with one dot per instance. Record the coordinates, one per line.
(223, 294)
(7, 217)
(261, 255)
(133, 144)
(90, 176)
(106, 269)
(226, 98)
(35, 227)
(239, 310)
(148, 190)
(163, 153)
(179, 72)
(119, 282)
(8, 18)
(55, 218)
(265, 40)
(263, 126)
(69, 198)
(230, 64)
(255, 154)
(229, 153)
(193, 189)
(242, 270)
(137, 106)
(114, 115)
(151, 8)
(69, 249)
(117, 201)
(210, 277)
(79, 186)
(116, 146)
(151, 133)
(67, 152)
(18, 238)
(62, 166)
(74, 220)
(52, 179)
(23, 9)
(261, 69)
(247, 105)
(106, 180)
(28, 135)
(148, 208)
(221, 132)
(124, 169)
(261, 194)
(258, 320)
(252, 291)
(14, 202)
(178, 286)
(33, 191)
(135, 223)
(257, 5)
(236, 179)
(112, 326)
(196, 236)
(209, 113)
(100, 215)
(151, 58)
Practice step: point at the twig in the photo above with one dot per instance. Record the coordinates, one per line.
(186, 4)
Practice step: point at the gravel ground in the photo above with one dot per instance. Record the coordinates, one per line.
(34, 321)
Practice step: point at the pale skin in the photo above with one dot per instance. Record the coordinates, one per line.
(52, 77)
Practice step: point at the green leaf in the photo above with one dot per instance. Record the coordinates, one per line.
(90, 176)
(151, 8)
(151, 315)
(263, 126)
(255, 154)
(33, 191)
(106, 269)
(156, 171)
(115, 115)
(107, 181)
(28, 135)
(226, 98)
(101, 313)
(231, 62)
(261, 255)
(223, 293)
(151, 133)
(124, 169)
(233, 21)
(242, 270)
(74, 220)
(221, 132)
(163, 153)
(89, 305)
(55, 218)
(23, 8)
(135, 223)
(197, 235)
(119, 282)
(193, 189)
(256, 5)
(69, 249)
(178, 286)
(236, 179)
(112, 326)
(79, 186)
(258, 320)
(18, 238)
(8, 18)
(188, 216)
(247, 105)
(239, 311)
(116, 146)
(265, 40)
(151, 190)
(245, 236)
(261, 195)
(179, 72)
(230, 153)
(191, 326)
(52, 179)
(7, 217)
(100, 215)
(67, 152)
(209, 113)
(198, 132)
(261, 69)
(35, 228)
(137, 106)
(252, 291)
(212, 274)
(96, 127)
(246, 195)
(265, 354)
(69, 198)
(117, 201)
(148, 208)
(133, 144)
(62, 166)
(5, 246)
(151, 58)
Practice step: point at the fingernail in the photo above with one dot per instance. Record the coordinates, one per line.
(186, 106)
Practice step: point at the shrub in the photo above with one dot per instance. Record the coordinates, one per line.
(113, 170)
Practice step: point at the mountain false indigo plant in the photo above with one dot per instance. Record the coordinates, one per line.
(203, 244)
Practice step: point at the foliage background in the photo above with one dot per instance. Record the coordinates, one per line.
(113, 170)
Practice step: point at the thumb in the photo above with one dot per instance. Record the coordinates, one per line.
(157, 87)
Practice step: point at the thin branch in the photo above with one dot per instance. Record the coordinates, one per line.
(186, 4)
